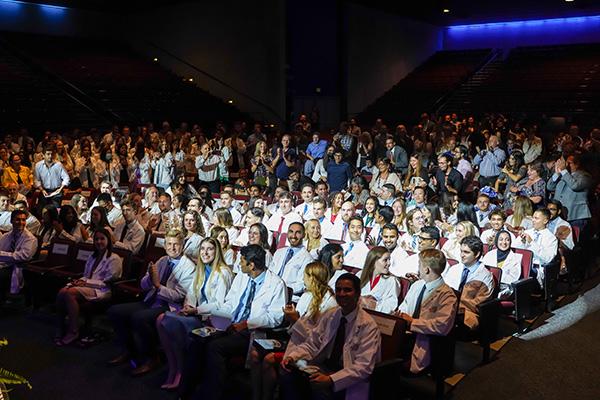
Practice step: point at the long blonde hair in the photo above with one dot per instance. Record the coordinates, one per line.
(217, 265)
(312, 244)
(399, 220)
(374, 254)
(469, 228)
(223, 217)
(316, 275)
(521, 209)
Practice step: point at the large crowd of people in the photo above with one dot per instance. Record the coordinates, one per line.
(307, 231)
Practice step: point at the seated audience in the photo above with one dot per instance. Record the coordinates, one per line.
(507, 260)
(379, 289)
(345, 365)
(429, 307)
(101, 267)
(164, 287)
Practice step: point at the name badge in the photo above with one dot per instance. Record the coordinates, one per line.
(60, 248)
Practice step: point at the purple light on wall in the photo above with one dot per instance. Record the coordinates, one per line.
(523, 33)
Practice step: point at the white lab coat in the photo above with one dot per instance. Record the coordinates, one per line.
(357, 256)
(134, 237)
(511, 268)
(266, 310)
(385, 292)
(216, 290)
(25, 248)
(178, 284)
(361, 351)
(293, 273)
(109, 269)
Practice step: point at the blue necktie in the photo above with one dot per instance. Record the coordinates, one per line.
(536, 236)
(417, 311)
(344, 232)
(414, 241)
(246, 312)
(463, 279)
(288, 257)
(305, 209)
(349, 248)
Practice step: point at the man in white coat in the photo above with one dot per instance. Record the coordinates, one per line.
(472, 280)
(289, 262)
(129, 231)
(338, 357)
(429, 307)
(165, 286)
(255, 300)
(355, 250)
(284, 216)
(16, 246)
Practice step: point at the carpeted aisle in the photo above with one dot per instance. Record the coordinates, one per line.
(550, 364)
(68, 372)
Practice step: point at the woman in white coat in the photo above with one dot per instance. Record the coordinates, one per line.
(302, 318)
(212, 280)
(507, 260)
(102, 267)
(192, 224)
(314, 241)
(451, 248)
(379, 289)
(163, 166)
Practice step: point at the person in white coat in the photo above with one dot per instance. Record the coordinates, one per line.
(212, 281)
(289, 262)
(472, 279)
(317, 299)
(429, 307)
(101, 267)
(379, 289)
(540, 241)
(339, 354)
(507, 260)
(314, 240)
(355, 250)
(16, 246)
(129, 232)
(255, 300)
(164, 287)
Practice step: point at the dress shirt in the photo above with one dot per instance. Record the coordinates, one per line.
(355, 253)
(274, 222)
(409, 302)
(245, 300)
(556, 223)
(24, 249)
(464, 167)
(489, 162)
(51, 177)
(317, 150)
(207, 176)
(408, 265)
(305, 210)
(292, 272)
(134, 236)
(544, 245)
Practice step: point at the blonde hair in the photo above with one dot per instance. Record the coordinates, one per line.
(470, 229)
(217, 265)
(257, 149)
(409, 220)
(175, 233)
(374, 254)
(317, 283)
(311, 243)
(400, 220)
(522, 209)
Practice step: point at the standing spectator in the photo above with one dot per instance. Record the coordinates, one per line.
(571, 184)
(489, 162)
(207, 164)
(339, 172)
(50, 177)
(447, 179)
(397, 155)
(284, 160)
(261, 164)
(535, 187)
(532, 147)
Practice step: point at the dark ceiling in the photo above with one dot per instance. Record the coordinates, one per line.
(431, 11)
(465, 11)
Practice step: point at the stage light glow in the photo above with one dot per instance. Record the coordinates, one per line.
(592, 19)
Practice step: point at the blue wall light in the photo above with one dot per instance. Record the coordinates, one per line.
(523, 33)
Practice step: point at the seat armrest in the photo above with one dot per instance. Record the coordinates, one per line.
(522, 290)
